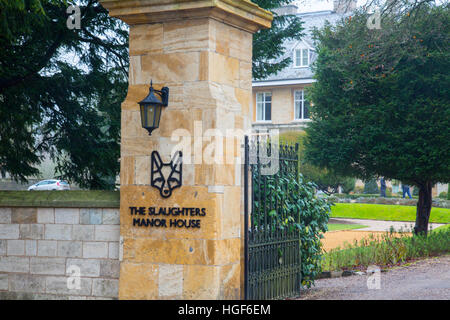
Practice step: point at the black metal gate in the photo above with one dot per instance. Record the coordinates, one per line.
(272, 245)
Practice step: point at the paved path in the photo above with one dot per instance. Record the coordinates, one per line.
(380, 225)
(427, 279)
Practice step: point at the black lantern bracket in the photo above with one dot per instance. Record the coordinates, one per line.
(152, 100)
(163, 93)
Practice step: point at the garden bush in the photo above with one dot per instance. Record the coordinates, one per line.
(388, 249)
(348, 185)
(389, 192)
(301, 210)
(443, 195)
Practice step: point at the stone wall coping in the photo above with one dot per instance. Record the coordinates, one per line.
(241, 13)
(61, 199)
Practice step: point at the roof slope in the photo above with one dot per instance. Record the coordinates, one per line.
(310, 20)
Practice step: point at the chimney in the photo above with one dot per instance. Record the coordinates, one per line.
(285, 10)
(344, 6)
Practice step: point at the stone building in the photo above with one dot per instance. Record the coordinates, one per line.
(279, 101)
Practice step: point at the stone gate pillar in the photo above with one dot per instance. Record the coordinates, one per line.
(202, 51)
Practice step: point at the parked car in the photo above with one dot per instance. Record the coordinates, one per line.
(50, 185)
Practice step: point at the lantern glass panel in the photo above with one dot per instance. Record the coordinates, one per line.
(143, 118)
(157, 114)
(151, 115)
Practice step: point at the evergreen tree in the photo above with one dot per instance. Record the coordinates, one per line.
(382, 99)
(61, 90)
(268, 48)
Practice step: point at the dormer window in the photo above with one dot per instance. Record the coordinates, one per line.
(301, 57)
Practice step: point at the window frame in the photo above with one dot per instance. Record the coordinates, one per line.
(302, 106)
(300, 49)
(263, 102)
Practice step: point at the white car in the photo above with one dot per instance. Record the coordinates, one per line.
(50, 185)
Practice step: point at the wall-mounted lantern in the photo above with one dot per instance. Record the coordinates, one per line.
(151, 108)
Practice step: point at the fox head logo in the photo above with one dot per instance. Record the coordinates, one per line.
(166, 176)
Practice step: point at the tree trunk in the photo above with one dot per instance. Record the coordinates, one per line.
(423, 208)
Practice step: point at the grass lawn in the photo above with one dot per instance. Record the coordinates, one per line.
(385, 212)
(341, 226)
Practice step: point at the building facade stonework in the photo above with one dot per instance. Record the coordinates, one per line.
(59, 253)
(280, 100)
(201, 51)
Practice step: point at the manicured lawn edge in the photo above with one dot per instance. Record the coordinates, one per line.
(62, 199)
(342, 227)
(386, 212)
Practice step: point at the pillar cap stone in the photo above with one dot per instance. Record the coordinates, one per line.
(243, 14)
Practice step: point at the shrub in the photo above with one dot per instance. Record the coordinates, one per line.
(371, 187)
(303, 211)
(389, 192)
(387, 249)
(348, 185)
(443, 195)
(359, 189)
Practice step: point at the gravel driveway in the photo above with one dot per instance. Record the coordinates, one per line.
(426, 279)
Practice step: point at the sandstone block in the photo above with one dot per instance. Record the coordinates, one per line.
(3, 247)
(107, 233)
(31, 231)
(195, 278)
(47, 248)
(51, 266)
(111, 216)
(70, 249)
(63, 285)
(27, 283)
(67, 215)
(58, 232)
(91, 216)
(16, 247)
(138, 281)
(83, 232)
(46, 215)
(30, 247)
(170, 281)
(88, 267)
(24, 215)
(109, 268)
(9, 231)
(14, 264)
(5, 215)
(95, 250)
(113, 250)
(105, 288)
(4, 281)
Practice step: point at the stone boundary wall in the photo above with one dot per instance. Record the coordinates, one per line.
(39, 248)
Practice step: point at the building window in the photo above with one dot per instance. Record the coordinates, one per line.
(263, 106)
(301, 106)
(301, 57)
